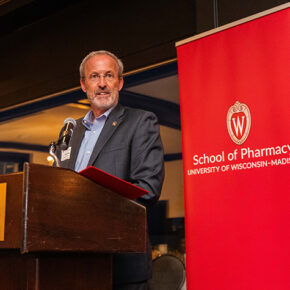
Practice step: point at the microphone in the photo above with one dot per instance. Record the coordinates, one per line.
(64, 139)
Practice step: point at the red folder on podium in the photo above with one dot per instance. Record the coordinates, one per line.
(112, 182)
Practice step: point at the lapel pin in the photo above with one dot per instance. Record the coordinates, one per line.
(114, 123)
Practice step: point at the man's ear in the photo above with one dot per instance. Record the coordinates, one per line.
(121, 83)
(83, 85)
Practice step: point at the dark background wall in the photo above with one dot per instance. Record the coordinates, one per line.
(43, 42)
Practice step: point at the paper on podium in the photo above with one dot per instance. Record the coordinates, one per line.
(112, 182)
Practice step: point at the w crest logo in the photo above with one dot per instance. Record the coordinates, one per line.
(239, 122)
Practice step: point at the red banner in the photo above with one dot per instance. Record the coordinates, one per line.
(235, 119)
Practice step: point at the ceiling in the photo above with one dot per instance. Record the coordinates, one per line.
(35, 99)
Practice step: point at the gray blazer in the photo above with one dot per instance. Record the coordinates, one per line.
(130, 148)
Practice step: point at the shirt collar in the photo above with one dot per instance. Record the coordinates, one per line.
(87, 120)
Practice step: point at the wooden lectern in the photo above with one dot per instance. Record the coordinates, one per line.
(61, 230)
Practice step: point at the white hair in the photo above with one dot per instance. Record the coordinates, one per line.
(101, 52)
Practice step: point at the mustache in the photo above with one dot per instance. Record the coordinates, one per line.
(102, 91)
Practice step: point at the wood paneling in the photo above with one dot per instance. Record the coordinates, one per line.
(43, 57)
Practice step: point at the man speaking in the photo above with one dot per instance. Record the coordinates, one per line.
(122, 141)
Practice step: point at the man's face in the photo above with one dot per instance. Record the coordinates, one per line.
(101, 83)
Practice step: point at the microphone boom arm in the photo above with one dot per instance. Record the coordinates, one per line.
(52, 150)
